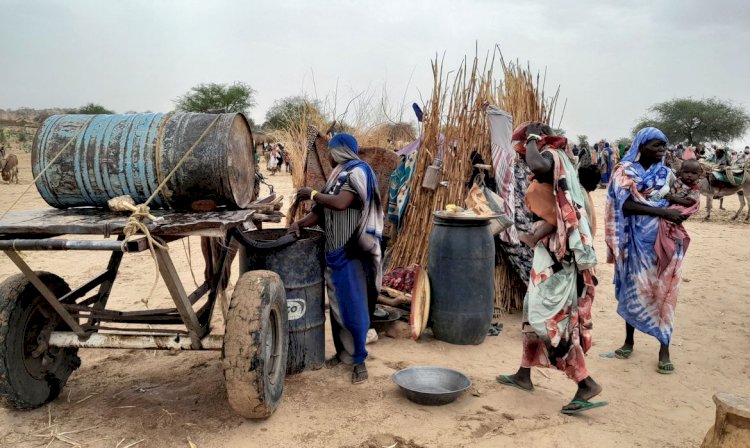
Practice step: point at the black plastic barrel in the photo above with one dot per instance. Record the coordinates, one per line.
(461, 266)
(300, 264)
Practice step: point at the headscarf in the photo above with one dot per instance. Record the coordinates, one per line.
(641, 138)
(519, 138)
(630, 179)
(344, 149)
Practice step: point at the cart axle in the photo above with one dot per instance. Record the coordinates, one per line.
(133, 341)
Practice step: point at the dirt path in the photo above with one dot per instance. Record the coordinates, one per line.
(165, 399)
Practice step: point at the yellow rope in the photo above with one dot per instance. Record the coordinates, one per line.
(74, 138)
(182, 160)
(135, 224)
(135, 220)
(142, 211)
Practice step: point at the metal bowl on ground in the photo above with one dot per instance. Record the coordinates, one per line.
(383, 316)
(431, 386)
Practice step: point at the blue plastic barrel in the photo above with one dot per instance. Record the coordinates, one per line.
(115, 155)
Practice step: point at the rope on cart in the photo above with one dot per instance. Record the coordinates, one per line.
(142, 211)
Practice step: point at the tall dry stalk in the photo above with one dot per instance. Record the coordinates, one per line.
(455, 120)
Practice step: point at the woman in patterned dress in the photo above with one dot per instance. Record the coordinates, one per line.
(635, 205)
(557, 307)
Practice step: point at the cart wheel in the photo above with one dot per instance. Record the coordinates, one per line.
(256, 342)
(31, 374)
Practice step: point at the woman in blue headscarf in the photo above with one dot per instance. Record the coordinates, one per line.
(350, 212)
(605, 163)
(635, 204)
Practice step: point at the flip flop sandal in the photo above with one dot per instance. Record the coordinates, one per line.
(583, 406)
(665, 368)
(506, 380)
(359, 374)
(623, 353)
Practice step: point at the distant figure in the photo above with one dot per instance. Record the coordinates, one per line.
(689, 154)
(720, 157)
(584, 156)
(274, 159)
(288, 162)
(742, 157)
(622, 150)
(605, 163)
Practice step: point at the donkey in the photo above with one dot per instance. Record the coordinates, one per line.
(716, 191)
(8, 167)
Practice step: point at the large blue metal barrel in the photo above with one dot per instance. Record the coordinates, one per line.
(300, 264)
(115, 155)
(461, 265)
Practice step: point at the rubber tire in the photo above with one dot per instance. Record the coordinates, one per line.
(18, 388)
(254, 389)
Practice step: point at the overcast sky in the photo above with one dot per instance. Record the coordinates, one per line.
(613, 58)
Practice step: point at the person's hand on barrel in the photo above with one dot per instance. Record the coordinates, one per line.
(303, 194)
(295, 229)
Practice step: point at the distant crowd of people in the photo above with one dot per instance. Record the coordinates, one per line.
(277, 158)
(605, 157)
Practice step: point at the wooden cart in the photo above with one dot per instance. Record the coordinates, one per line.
(43, 322)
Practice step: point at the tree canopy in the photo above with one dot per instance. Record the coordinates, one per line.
(92, 109)
(626, 141)
(235, 97)
(697, 121)
(289, 112)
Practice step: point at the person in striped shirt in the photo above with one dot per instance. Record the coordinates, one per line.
(349, 210)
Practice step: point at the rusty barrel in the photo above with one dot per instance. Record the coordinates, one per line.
(300, 263)
(115, 155)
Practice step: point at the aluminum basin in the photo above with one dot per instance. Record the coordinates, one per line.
(431, 386)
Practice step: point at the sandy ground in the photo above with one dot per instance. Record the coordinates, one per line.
(162, 399)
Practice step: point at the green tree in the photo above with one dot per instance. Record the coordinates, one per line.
(698, 121)
(93, 109)
(287, 113)
(235, 97)
(626, 141)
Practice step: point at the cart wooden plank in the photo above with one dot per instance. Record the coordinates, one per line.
(93, 221)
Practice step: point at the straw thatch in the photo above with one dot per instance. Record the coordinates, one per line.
(456, 111)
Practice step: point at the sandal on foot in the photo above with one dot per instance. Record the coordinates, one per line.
(665, 367)
(582, 406)
(359, 374)
(623, 353)
(332, 362)
(506, 380)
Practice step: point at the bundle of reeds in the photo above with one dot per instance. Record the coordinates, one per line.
(454, 126)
